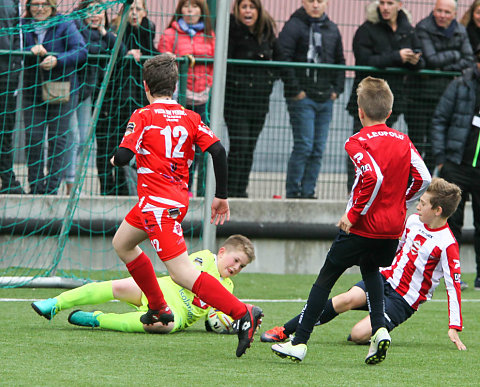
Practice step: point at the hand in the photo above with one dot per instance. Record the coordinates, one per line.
(344, 224)
(102, 30)
(135, 53)
(112, 161)
(220, 211)
(300, 96)
(453, 334)
(49, 62)
(38, 50)
(409, 56)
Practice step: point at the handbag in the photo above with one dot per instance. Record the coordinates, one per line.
(56, 92)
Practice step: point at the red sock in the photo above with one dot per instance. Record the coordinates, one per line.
(141, 269)
(211, 291)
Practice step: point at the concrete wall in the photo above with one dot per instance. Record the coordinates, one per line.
(290, 236)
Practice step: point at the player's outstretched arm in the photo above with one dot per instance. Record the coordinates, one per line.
(220, 211)
(453, 334)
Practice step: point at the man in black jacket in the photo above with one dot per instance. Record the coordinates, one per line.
(9, 71)
(385, 39)
(456, 147)
(445, 47)
(310, 36)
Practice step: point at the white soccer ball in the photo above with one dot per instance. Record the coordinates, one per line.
(219, 321)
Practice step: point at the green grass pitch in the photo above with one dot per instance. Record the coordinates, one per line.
(36, 352)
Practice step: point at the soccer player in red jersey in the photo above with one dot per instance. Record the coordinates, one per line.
(385, 161)
(427, 252)
(163, 136)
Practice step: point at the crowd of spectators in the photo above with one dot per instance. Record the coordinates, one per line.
(62, 48)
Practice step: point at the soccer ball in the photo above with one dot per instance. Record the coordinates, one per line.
(219, 322)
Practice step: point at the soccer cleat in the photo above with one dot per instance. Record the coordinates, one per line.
(84, 319)
(248, 325)
(274, 335)
(463, 285)
(46, 308)
(378, 346)
(295, 353)
(164, 315)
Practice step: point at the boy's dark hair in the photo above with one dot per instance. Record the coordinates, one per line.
(160, 73)
(375, 98)
(240, 243)
(445, 195)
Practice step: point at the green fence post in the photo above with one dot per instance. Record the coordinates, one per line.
(184, 64)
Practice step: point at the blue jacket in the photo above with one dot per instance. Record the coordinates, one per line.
(61, 38)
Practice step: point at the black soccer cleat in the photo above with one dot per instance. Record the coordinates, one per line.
(248, 325)
(153, 316)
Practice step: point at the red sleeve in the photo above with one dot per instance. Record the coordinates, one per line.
(371, 179)
(204, 136)
(421, 177)
(166, 41)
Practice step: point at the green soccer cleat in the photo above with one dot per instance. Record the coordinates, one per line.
(84, 319)
(295, 353)
(379, 344)
(47, 308)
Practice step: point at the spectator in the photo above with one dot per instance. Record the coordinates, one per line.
(190, 33)
(310, 36)
(248, 89)
(471, 21)
(9, 75)
(41, 39)
(455, 144)
(385, 39)
(445, 47)
(98, 40)
(124, 95)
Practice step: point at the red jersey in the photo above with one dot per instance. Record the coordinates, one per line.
(384, 159)
(424, 256)
(163, 137)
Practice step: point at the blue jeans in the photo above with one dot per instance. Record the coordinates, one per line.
(310, 123)
(77, 135)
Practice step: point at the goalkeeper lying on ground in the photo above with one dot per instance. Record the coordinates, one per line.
(236, 253)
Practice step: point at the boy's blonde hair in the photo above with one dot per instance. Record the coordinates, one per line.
(375, 98)
(240, 243)
(445, 195)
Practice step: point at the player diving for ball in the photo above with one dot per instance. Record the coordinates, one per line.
(234, 254)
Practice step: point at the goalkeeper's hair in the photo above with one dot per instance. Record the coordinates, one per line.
(160, 73)
(444, 195)
(241, 243)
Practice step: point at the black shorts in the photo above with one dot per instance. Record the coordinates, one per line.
(397, 309)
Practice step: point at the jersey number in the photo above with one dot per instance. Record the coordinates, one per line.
(178, 132)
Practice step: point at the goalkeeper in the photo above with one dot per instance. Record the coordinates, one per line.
(235, 253)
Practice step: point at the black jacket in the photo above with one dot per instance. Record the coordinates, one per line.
(376, 44)
(92, 72)
(441, 53)
(453, 116)
(294, 39)
(474, 36)
(254, 83)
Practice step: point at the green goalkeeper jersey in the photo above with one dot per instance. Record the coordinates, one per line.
(186, 306)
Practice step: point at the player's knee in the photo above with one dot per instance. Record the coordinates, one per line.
(359, 335)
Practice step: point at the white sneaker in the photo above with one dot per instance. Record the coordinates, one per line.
(287, 350)
(379, 344)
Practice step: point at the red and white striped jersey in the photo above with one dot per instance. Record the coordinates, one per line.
(384, 159)
(423, 257)
(163, 137)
